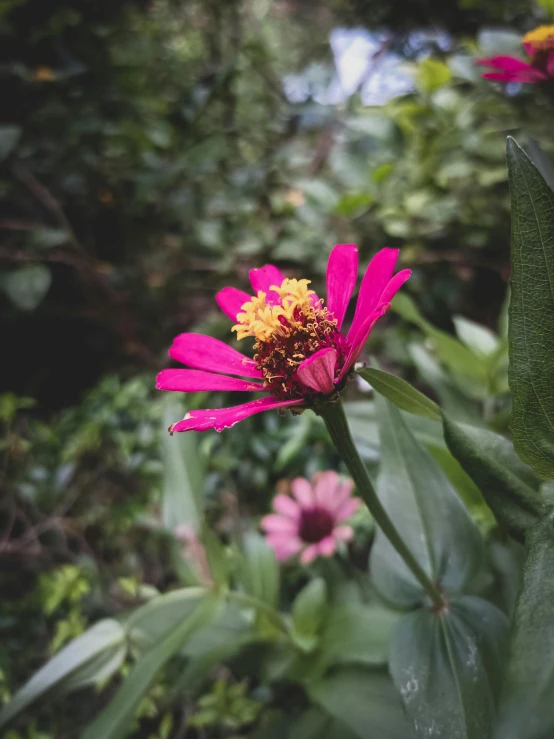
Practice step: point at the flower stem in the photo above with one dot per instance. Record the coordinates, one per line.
(339, 431)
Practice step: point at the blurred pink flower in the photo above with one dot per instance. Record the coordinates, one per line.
(539, 45)
(310, 522)
(301, 356)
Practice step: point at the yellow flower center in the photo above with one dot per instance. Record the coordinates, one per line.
(264, 322)
(541, 39)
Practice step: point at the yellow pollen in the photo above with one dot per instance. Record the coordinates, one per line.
(541, 39)
(263, 321)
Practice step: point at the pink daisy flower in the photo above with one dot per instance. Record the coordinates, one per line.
(310, 521)
(539, 45)
(301, 357)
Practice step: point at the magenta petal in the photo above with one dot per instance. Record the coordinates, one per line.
(343, 533)
(360, 337)
(550, 64)
(231, 300)
(302, 491)
(507, 63)
(394, 285)
(379, 272)
(194, 381)
(342, 273)
(318, 371)
(207, 353)
(224, 418)
(265, 277)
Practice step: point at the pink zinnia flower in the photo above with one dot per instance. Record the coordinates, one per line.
(301, 357)
(311, 522)
(539, 45)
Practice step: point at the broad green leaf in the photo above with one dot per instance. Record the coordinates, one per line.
(315, 723)
(89, 659)
(26, 287)
(447, 667)
(149, 623)
(183, 477)
(428, 514)
(364, 700)
(508, 484)
(541, 159)
(355, 633)
(401, 393)
(308, 612)
(9, 138)
(479, 339)
(531, 331)
(526, 706)
(113, 722)
(260, 570)
(432, 74)
(468, 369)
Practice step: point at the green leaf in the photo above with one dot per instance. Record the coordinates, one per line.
(432, 74)
(541, 159)
(479, 339)
(308, 611)
(90, 658)
(260, 570)
(9, 138)
(183, 477)
(355, 633)
(26, 287)
(508, 485)
(149, 623)
(428, 514)
(531, 331)
(468, 369)
(113, 722)
(447, 666)
(364, 700)
(401, 393)
(526, 707)
(315, 723)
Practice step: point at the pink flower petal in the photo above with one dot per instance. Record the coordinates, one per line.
(318, 371)
(529, 48)
(325, 485)
(284, 545)
(343, 533)
(194, 381)
(347, 509)
(309, 554)
(394, 285)
(342, 273)
(326, 546)
(275, 524)
(224, 418)
(302, 491)
(379, 272)
(231, 300)
(343, 492)
(360, 337)
(265, 277)
(507, 63)
(207, 353)
(286, 506)
(550, 64)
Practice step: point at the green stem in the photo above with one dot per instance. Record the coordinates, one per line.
(339, 431)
